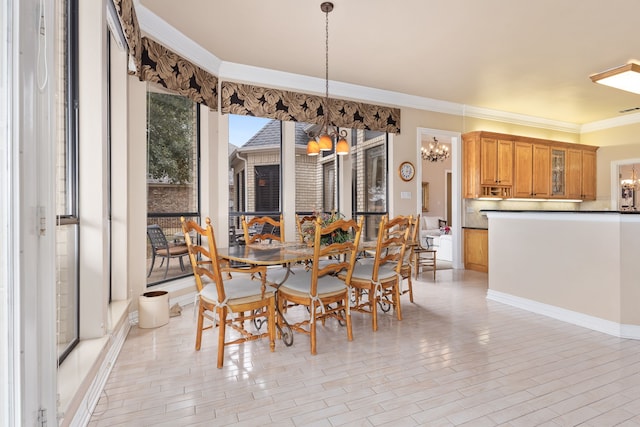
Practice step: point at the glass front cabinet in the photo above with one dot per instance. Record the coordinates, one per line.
(558, 172)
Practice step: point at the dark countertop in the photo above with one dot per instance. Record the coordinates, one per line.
(563, 212)
(474, 228)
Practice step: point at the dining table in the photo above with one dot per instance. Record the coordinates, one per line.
(274, 253)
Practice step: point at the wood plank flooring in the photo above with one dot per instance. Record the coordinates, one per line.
(455, 359)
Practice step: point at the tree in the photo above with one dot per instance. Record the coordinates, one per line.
(170, 131)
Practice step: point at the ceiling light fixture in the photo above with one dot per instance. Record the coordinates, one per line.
(625, 77)
(324, 141)
(436, 151)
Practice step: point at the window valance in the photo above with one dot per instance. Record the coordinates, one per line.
(167, 69)
(249, 100)
(129, 23)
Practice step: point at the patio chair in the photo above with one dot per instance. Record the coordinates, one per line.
(234, 297)
(320, 287)
(377, 282)
(161, 248)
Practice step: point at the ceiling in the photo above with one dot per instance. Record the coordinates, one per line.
(524, 57)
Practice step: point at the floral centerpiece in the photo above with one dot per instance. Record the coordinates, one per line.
(337, 236)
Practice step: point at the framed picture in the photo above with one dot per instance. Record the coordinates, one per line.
(628, 198)
(425, 197)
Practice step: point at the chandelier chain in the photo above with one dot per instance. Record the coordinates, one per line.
(326, 69)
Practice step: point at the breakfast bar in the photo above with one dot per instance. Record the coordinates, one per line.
(581, 267)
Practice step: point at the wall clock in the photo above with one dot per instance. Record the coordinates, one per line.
(407, 171)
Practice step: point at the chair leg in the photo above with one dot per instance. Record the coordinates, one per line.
(312, 327)
(373, 301)
(153, 260)
(222, 315)
(199, 326)
(347, 315)
(396, 297)
(166, 270)
(410, 286)
(434, 267)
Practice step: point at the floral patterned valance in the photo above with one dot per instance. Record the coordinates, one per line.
(279, 104)
(167, 69)
(129, 23)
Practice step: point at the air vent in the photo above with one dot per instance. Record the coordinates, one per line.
(628, 110)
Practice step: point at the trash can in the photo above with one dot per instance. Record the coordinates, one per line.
(153, 309)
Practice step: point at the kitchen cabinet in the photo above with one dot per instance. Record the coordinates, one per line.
(502, 166)
(497, 162)
(476, 249)
(541, 171)
(588, 175)
(558, 172)
(487, 165)
(532, 170)
(581, 174)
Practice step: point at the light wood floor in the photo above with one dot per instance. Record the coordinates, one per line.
(455, 359)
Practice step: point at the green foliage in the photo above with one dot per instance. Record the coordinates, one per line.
(170, 133)
(338, 236)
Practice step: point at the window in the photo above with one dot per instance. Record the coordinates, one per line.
(68, 223)
(172, 176)
(370, 182)
(329, 186)
(267, 188)
(254, 162)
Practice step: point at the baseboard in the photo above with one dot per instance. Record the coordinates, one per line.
(569, 316)
(85, 409)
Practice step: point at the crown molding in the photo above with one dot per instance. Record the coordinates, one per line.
(164, 33)
(625, 120)
(520, 119)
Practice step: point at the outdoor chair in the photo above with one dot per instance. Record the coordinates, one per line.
(319, 287)
(234, 297)
(161, 248)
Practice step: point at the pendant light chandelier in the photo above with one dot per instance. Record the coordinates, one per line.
(324, 140)
(436, 151)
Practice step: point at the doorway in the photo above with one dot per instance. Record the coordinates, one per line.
(449, 188)
(625, 185)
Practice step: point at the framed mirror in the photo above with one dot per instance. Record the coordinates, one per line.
(425, 197)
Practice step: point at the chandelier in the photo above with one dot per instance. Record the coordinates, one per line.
(633, 182)
(323, 140)
(435, 152)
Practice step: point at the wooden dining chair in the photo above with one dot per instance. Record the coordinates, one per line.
(233, 297)
(377, 282)
(262, 229)
(319, 289)
(409, 256)
(304, 224)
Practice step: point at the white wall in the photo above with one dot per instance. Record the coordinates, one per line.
(583, 265)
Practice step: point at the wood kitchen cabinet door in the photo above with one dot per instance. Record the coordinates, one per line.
(588, 175)
(523, 169)
(497, 162)
(574, 174)
(476, 250)
(541, 171)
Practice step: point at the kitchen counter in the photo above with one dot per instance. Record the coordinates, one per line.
(576, 266)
